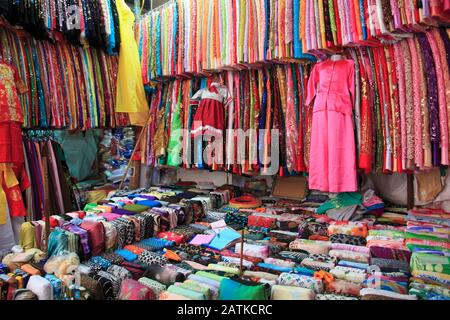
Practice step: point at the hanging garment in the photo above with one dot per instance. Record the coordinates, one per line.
(130, 88)
(332, 155)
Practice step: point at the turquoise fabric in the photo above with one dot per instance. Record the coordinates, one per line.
(233, 290)
(80, 152)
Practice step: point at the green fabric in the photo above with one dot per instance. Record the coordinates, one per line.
(233, 290)
(174, 147)
(90, 206)
(135, 208)
(186, 293)
(80, 152)
(210, 275)
(340, 201)
(191, 285)
(218, 267)
(430, 262)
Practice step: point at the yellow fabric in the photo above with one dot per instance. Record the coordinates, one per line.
(7, 173)
(130, 87)
(26, 236)
(96, 196)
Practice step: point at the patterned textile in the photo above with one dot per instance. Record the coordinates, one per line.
(350, 256)
(115, 282)
(297, 280)
(119, 272)
(112, 257)
(347, 239)
(333, 297)
(133, 290)
(96, 263)
(106, 286)
(151, 258)
(157, 287)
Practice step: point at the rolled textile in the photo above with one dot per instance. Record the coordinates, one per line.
(297, 280)
(156, 286)
(291, 293)
(204, 280)
(41, 287)
(106, 287)
(132, 290)
(317, 265)
(357, 229)
(136, 270)
(113, 258)
(350, 255)
(163, 275)
(134, 249)
(252, 250)
(273, 268)
(191, 294)
(151, 258)
(56, 285)
(231, 289)
(343, 287)
(376, 294)
(263, 275)
(430, 262)
(213, 290)
(311, 246)
(228, 270)
(194, 286)
(119, 272)
(351, 264)
(126, 254)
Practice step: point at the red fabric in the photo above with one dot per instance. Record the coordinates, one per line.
(172, 237)
(96, 234)
(263, 222)
(11, 150)
(10, 109)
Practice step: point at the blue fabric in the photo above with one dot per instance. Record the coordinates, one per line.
(224, 238)
(149, 203)
(274, 267)
(233, 290)
(99, 261)
(57, 286)
(127, 255)
(353, 264)
(57, 242)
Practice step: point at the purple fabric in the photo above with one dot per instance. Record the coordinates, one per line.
(122, 212)
(84, 238)
(433, 100)
(390, 253)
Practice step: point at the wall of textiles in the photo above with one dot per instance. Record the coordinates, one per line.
(400, 50)
(262, 99)
(195, 36)
(68, 86)
(81, 22)
(330, 24)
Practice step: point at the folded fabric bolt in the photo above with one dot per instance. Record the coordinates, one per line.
(196, 266)
(132, 290)
(245, 263)
(157, 287)
(376, 294)
(96, 234)
(273, 267)
(241, 290)
(355, 277)
(296, 256)
(151, 258)
(134, 249)
(191, 294)
(41, 287)
(171, 236)
(177, 268)
(317, 265)
(217, 267)
(291, 293)
(430, 262)
(390, 253)
(279, 262)
(253, 250)
(349, 228)
(390, 264)
(126, 254)
(297, 280)
(192, 285)
(56, 285)
(347, 239)
(213, 291)
(351, 264)
(310, 246)
(343, 287)
(210, 275)
(350, 255)
(224, 238)
(148, 204)
(164, 275)
(349, 247)
(112, 257)
(201, 239)
(172, 296)
(100, 262)
(204, 280)
(136, 208)
(262, 275)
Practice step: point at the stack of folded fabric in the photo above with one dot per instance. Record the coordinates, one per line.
(427, 236)
(373, 204)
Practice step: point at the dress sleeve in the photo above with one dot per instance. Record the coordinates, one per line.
(197, 96)
(351, 79)
(312, 84)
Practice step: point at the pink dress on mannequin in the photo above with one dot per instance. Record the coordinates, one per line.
(333, 152)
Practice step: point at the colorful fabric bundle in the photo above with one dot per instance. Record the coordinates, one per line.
(350, 255)
(253, 250)
(343, 287)
(241, 290)
(297, 280)
(291, 293)
(133, 290)
(311, 246)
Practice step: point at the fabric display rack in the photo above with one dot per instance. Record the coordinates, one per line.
(354, 88)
